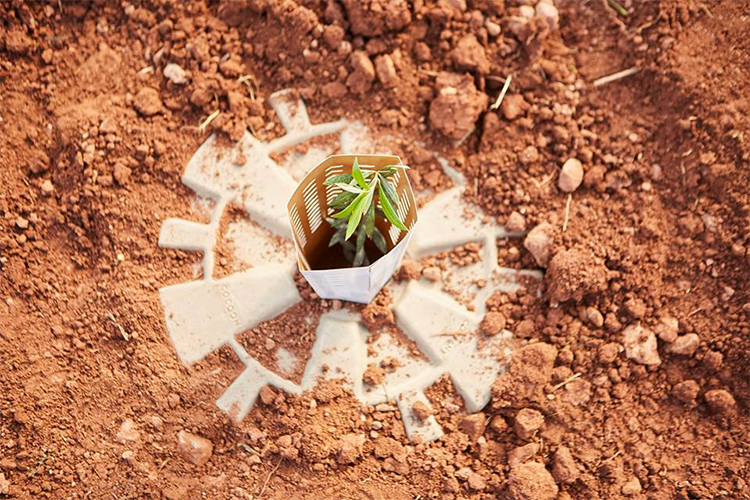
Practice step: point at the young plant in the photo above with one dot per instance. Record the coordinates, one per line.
(357, 210)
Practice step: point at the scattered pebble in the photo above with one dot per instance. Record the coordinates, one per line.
(457, 105)
(47, 187)
(128, 431)
(571, 175)
(22, 223)
(594, 316)
(564, 467)
(667, 328)
(175, 73)
(493, 323)
(267, 395)
(513, 106)
(640, 345)
(386, 71)
(4, 485)
(539, 242)
(608, 352)
(528, 421)
(498, 424)
(374, 375)
(522, 454)
(469, 55)
(531, 481)
(720, 401)
(147, 101)
(546, 10)
(473, 426)
(421, 411)
(516, 223)
(631, 487)
(432, 273)
(349, 448)
(685, 345)
(686, 391)
(363, 72)
(193, 448)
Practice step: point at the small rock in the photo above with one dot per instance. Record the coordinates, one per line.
(432, 273)
(686, 391)
(173, 400)
(267, 395)
(513, 106)
(531, 481)
(22, 223)
(548, 12)
(128, 432)
(386, 71)
(476, 482)
(498, 424)
(334, 90)
(720, 401)
(194, 449)
(578, 392)
(640, 345)
(4, 485)
(539, 242)
(175, 73)
(349, 448)
(493, 29)
(571, 175)
(608, 353)
(516, 223)
(469, 55)
(333, 35)
(473, 426)
(635, 307)
(574, 273)
(667, 328)
(685, 345)
(631, 487)
(122, 174)
(47, 187)
(564, 467)
(421, 411)
(410, 270)
(713, 360)
(522, 454)
(528, 422)
(231, 68)
(594, 317)
(147, 101)
(457, 106)
(493, 323)
(363, 74)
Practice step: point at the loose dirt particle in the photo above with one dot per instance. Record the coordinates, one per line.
(349, 448)
(594, 316)
(373, 375)
(527, 422)
(571, 175)
(147, 101)
(513, 106)
(686, 391)
(685, 345)
(493, 323)
(175, 73)
(635, 307)
(193, 448)
(575, 273)
(522, 454)
(421, 411)
(432, 273)
(386, 71)
(720, 401)
(363, 74)
(516, 223)
(4, 485)
(128, 431)
(608, 352)
(564, 468)
(539, 243)
(631, 487)
(498, 424)
(457, 106)
(667, 328)
(267, 395)
(531, 481)
(473, 426)
(640, 345)
(469, 55)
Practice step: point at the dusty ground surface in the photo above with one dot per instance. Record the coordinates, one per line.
(652, 245)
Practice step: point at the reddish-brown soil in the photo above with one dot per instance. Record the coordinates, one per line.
(93, 140)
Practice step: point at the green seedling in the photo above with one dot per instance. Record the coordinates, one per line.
(357, 208)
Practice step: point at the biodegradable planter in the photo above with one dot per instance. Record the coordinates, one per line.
(308, 209)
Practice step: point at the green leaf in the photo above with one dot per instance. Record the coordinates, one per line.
(370, 220)
(390, 214)
(345, 212)
(360, 255)
(336, 238)
(345, 178)
(390, 192)
(379, 240)
(357, 173)
(362, 205)
(342, 199)
(351, 189)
